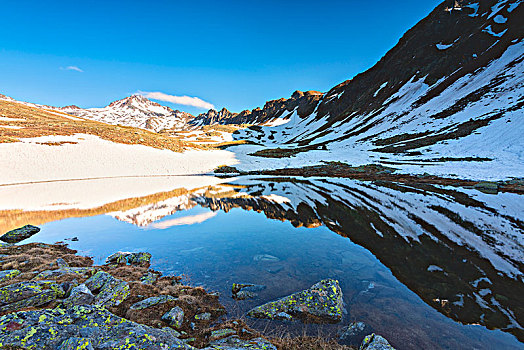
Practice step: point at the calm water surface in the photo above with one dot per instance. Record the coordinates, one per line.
(426, 267)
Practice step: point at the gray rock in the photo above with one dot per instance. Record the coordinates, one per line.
(149, 278)
(141, 258)
(24, 290)
(8, 274)
(76, 343)
(144, 304)
(221, 333)
(265, 257)
(97, 281)
(354, 334)
(84, 271)
(375, 342)
(49, 329)
(241, 291)
(487, 187)
(206, 316)
(80, 295)
(235, 343)
(175, 317)
(19, 234)
(113, 293)
(61, 263)
(320, 303)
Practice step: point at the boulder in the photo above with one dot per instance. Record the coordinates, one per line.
(241, 291)
(149, 302)
(24, 290)
(175, 317)
(235, 343)
(50, 329)
(320, 303)
(221, 333)
(84, 271)
(97, 281)
(205, 316)
(113, 293)
(354, 334)
(148, 278)
(375, 342)
(19, 234)
(8, 274)
(141, 258)
(80, 295)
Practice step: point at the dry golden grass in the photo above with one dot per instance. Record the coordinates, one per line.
(36, 122)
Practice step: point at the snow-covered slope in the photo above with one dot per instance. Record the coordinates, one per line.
(451, 89)
(136, 111)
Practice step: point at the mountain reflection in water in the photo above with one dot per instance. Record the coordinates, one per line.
(460, 250)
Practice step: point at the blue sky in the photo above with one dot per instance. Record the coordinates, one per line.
(236, 54)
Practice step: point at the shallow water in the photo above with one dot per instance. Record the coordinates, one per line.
(419, 265)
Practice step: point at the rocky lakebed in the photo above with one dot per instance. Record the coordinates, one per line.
(52, 298)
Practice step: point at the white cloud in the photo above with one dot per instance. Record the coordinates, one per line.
(185, 220)
(75, 68)
(179, 100)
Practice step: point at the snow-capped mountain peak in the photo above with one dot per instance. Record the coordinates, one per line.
(137, 111)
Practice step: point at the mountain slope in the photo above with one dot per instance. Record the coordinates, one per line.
(136, 111)
(452, 88)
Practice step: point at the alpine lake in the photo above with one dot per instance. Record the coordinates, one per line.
(425, 266)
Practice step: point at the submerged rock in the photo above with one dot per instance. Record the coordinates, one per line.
(8, 274)
(175, 317)
(241, 291)
(235, 343)
(354, 334)
(265, 257)
(375, 342)
(149, 302)
(320, 303)
(19, 234)
(50, 329)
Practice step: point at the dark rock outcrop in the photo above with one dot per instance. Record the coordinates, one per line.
(19, 234)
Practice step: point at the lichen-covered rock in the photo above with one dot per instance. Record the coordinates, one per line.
(235, 343)
(144, 304)
(39, 299)
(76, 343)
(320, 303)
(140, 258)
(24, 290)
(80, 295)
(205, 316)
(148, 278)
(113, 293)
(97, 281)
(241, 291)
(85, 271)
(354, 334)
(62, 264)
(19, 234)
(221, 333)
(375, 342)
(49, 329)
(8, 274)
(174, 317)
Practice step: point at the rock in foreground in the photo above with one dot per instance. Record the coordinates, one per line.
(52, 329)
(320, 303)
(19, 234)
(375, 342)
